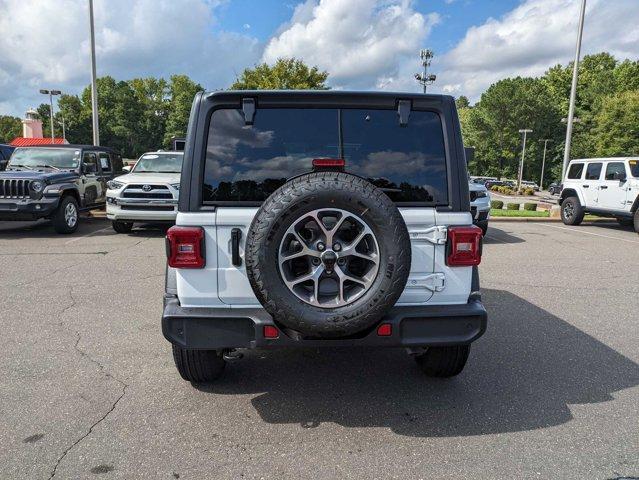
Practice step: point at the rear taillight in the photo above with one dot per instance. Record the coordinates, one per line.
(185, 247)
(463, 246)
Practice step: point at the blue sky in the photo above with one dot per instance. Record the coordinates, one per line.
(363, 44)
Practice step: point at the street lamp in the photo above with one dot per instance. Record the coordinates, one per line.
(64, 130)
(51, 93)
(573, 89)
(543, 163)
(525, 131)
(94, 87)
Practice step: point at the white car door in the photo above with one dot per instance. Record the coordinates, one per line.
(590, 184)
(612, 190)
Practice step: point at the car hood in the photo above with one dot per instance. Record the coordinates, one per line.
(149, 178)
(476, 187)
(47, 176)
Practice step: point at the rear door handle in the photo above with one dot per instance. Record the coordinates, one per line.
(586, 186)
(236, 235)
(603, 187)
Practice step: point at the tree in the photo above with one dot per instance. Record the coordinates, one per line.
(153, 95)
(617, 131)
(462, 102)
(285, 74)
(10, 128)
(182, 90)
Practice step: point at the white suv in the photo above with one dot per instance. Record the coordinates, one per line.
(148, 194)
(601, 186)
(322, 219)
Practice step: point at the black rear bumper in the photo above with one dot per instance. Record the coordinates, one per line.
(216, 328)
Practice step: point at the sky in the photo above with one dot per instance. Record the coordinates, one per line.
(363, 44)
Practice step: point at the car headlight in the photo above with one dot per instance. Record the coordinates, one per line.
(113, 185)
(176, 186)
(481, 195)
(37, 186)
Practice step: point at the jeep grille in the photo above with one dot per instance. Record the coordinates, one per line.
(12, 188)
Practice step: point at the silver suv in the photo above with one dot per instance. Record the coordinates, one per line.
(322, 219)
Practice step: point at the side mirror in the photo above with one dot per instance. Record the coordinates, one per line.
(126, 168)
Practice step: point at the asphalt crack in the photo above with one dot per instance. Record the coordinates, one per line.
(114, 404)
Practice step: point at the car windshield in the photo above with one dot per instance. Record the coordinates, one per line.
(45, 157)
(159, 163)
(634, 168)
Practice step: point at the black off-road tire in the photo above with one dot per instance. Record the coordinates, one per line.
(59, 220)
(484, 227)
(327, 190)
(578, 212)
(122, 227)
(198, 366)
(625, 222)
(636, 220)
(443, 362)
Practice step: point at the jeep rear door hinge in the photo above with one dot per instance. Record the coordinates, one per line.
(248, 108)
(436, 235)
(435, 282)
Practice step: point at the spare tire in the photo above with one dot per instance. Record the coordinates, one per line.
(328, 254)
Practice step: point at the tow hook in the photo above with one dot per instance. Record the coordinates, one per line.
(232, 355)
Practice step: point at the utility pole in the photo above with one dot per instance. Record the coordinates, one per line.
(573, 90)
(425, 78)
(51, 93)
(525, 131)
(543, 163)
(94, 86)
(64, 130)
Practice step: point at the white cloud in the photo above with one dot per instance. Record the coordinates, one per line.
(533, 37)
(45, 43)
(361, 43)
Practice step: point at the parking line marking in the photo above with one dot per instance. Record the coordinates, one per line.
(589, 233)
(87, 235)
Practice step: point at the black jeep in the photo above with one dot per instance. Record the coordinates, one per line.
(56, 182)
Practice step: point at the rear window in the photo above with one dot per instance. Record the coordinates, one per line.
(575, 171)
(634, 168)
(247, 163)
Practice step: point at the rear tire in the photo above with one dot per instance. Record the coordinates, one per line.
(443, 362)
(636, 220)
(625, 222)
(66, 217)
(484, 227)
(572, 213)
(122, 227)
(198, 366)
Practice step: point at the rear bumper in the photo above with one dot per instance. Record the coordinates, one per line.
(215, 328)
(27, 209)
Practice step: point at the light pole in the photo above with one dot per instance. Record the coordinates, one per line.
(94, 87)
(425, 78)
(573, 89)
(543, 163)
(525, 131)
(51, 93)
(64, 130)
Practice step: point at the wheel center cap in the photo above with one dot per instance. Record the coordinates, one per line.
(329, 257)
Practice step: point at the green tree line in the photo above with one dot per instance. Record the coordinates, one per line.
(607, 107)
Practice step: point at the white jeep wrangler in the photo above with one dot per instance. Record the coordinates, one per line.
(607, 187)
(322, 219)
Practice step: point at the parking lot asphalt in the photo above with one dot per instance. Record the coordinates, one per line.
(89, 390)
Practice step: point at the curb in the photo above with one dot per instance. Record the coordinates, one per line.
(543, 219)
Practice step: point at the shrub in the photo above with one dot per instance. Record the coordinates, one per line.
(495, 188)
(498, 204)
(512, 206)
(530, 206)
(526, 191)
